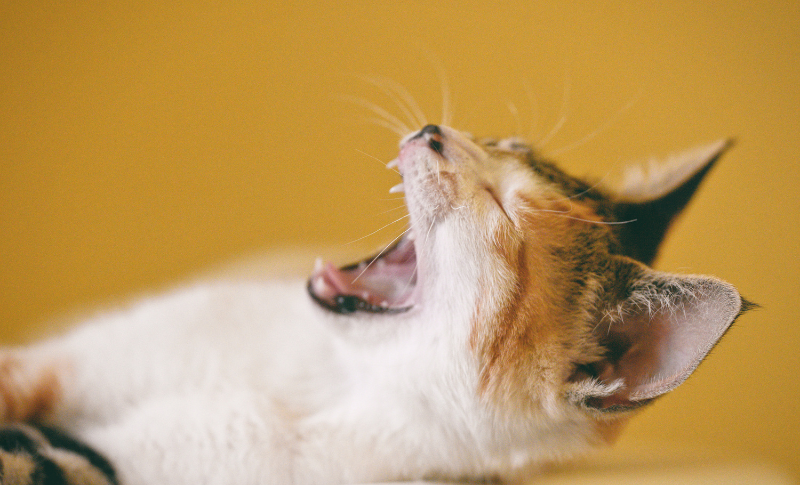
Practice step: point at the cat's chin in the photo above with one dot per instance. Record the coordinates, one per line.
(383, 283)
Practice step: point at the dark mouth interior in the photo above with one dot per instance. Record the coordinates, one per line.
(383, 283)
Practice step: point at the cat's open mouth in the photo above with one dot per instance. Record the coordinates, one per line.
(386, 282)
(383, 283)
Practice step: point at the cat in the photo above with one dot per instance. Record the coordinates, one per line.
(515, 323)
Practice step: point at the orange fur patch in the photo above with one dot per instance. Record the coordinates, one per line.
(609, 431)
(26, 394)
(525, 338)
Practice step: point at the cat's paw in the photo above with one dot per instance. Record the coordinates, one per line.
(31, 455)
(27, 390)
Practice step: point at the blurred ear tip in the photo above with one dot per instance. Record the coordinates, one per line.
(719, 148)
(748, 305)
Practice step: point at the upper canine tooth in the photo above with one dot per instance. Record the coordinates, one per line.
(392, 165)
(397, 188)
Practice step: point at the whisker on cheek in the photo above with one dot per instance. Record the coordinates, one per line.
(392, 210)
(401, 132)
(512, 108)
(382, 114)
(603, 127)
(410, 279)
(380, 254)
(380, 229)
(534, 106)
(608, 223)
(401, 98)
(385, 164)
(562, 118)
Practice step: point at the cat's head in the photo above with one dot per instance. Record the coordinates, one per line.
(550, 274)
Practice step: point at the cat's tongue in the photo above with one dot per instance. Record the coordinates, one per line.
(382, 283)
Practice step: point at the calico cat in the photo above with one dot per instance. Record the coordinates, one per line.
(515, 323)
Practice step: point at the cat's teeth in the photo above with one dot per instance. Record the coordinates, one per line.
(397, 188)
(320, 287)
(411, 235)
(317, 265)
(392, 165)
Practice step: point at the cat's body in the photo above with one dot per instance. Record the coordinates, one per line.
(508, 329)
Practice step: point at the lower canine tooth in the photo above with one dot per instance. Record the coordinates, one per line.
(397, 188)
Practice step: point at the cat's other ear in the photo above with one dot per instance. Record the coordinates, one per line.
(654, 331)
(652, 198)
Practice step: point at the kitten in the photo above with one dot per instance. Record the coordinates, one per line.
(515, 323)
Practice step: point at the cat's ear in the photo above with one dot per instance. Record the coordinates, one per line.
(654, 332)
(651, 198)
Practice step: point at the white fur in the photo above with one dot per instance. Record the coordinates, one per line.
(252, 384)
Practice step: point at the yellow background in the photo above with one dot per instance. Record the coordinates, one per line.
(140, 144)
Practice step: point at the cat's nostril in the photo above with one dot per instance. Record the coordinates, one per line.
(431, 130)
(433, 135)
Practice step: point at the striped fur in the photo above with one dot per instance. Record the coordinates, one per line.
(40, 455)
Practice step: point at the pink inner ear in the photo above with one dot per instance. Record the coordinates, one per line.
(667, 345)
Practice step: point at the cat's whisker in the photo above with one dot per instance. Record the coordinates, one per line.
(603, 127)
(562, 118)
(380, 112)
(416, 115)
(429, 230)
(412, 103)
(385, 124)
(401, 98)
(408, 283)
(391, 210)
(512, 108)
(534, 106)
(554, 211)
(378, 159)
(444, 84)
(571, 207)
(563, 213)
(594, 186)
(378, 230)
(579, 194)
(380, 253)
(606, 223)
